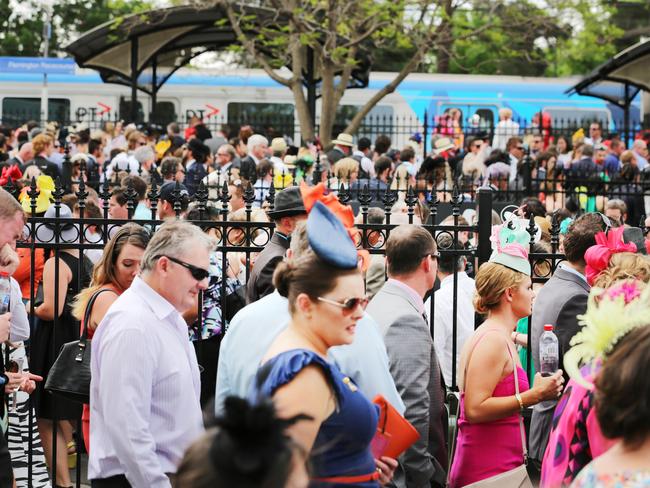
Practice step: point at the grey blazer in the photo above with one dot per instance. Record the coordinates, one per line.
(559, 302)
(415, 369)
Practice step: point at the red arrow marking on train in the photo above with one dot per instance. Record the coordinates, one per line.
(215, 110)
(106, 108)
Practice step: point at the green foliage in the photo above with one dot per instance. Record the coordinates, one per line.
(21, 32)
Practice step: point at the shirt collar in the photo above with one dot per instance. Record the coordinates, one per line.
(570, 269)
(159, 306)
(414, 295)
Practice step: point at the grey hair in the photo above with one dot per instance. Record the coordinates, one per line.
(256, 140)
(172, 239)
(144, 154)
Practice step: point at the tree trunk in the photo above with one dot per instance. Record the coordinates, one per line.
(328, 103)
(446, 40)
(307, 130)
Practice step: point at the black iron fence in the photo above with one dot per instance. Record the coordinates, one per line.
(242, 240)
(423, 127)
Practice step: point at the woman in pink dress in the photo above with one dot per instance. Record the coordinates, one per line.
(489, 436)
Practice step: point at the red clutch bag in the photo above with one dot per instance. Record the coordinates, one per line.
(394, 433)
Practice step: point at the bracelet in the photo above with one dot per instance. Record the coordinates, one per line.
(521, 402)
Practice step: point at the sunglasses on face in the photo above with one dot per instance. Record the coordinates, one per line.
(349, 304)
(199, 274)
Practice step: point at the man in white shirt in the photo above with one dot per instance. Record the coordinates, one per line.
(443, 314)
(145, 386)
(505, 129)
(595, 135)
(640, 150)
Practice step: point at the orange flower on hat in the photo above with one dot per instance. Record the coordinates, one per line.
(313, 194)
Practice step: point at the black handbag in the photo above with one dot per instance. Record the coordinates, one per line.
(69, 376)
(235, 301)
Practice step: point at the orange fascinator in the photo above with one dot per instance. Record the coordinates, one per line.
(313, 194)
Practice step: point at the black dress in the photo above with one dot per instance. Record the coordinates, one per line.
(47, 342)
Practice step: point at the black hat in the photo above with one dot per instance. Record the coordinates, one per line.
(199, 150)
(168, 189)
(288, 202)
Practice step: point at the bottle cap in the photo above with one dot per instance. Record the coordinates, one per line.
(548, 327)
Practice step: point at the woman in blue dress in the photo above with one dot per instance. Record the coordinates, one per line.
(326, 295)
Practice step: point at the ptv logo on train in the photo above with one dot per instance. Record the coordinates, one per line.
(201, 113)
(92, 113)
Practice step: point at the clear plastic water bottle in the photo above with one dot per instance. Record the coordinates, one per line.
(5, 292)
(549, 351)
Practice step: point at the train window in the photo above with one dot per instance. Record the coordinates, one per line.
(16, 111)
(269, 119)
(378, 121)
(576, 116)
(125, 110)
(164, 114)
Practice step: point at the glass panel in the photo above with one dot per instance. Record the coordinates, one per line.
(17, 111)
(269, 119)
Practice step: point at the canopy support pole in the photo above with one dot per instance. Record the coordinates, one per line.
(134, 79)
(626, 114)
(154, 91)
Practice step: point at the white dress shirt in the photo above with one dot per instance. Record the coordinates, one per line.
(19, 323)
(365, 360)
(443, 320)
(144, 392)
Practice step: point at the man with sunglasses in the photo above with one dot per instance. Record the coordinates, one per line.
(515, 149)
(145, 385)
(398, 308)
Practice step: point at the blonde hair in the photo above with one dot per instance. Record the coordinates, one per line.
(40, 142)
(492, 280)
(344, 168)
(505, 112)
(627, 157)
(624, 265)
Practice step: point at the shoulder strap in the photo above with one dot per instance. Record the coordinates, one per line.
(89, 308)
(521, 419)
(471, 351)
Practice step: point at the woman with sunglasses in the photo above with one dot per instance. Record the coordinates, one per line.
(326, 294)
(113, 274)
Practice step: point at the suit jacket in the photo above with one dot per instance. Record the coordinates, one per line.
(46, 166)
(415, 369)
(194, 175)
(260, 281)
(248, 169)
(558, 303)
(375, 275)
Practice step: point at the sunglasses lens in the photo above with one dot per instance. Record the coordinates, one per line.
(353, 303)
(199, 274)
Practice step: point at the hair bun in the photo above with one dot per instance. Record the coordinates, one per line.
(282, 277)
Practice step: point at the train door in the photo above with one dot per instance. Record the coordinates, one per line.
(166, 111)
(473, 117)
(125, 109)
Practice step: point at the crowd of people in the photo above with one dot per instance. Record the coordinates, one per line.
(215, 367)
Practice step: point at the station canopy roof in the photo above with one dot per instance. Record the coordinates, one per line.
(168, 39)
(621, 78)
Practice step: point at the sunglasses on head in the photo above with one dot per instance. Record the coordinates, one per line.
(199, 274)
(349, 304)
